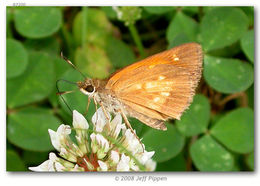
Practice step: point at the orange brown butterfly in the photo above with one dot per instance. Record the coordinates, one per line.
(153, 90)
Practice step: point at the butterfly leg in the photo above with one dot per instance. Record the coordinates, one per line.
(130, 127)
(95, 102)
(105, 112)
(89, 101)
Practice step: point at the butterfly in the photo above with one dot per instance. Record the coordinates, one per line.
(153, 90)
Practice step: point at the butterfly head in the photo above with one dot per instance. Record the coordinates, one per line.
(87, 87)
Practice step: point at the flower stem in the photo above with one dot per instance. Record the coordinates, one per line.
(137, 39)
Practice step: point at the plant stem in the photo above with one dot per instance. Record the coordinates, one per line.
(137, 39)
(200, 14)
(189, 160)
(241, 95)
(84, 25)
(68, 40)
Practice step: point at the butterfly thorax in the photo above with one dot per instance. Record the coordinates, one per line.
(95, 89)
(107, 97)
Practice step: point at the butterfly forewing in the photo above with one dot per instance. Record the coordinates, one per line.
(169, 92)
(188, 56)
(161, 86)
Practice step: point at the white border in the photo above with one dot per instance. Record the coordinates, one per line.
(134, 2)
(178, 179)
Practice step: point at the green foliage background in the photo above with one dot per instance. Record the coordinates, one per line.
(215, 134)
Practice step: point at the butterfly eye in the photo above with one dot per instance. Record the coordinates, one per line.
(90, 88)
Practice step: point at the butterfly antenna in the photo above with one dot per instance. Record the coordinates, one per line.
(70, 63)
(64, 92)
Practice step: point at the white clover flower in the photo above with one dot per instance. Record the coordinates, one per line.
(128, 14)
(110, 146)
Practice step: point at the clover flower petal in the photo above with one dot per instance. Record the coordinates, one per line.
(79, 120)
(103, 165)
(114, 156)
(123, 164)
(45, 166)
(99, 120)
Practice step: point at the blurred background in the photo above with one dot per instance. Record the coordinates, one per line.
(216, 133)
